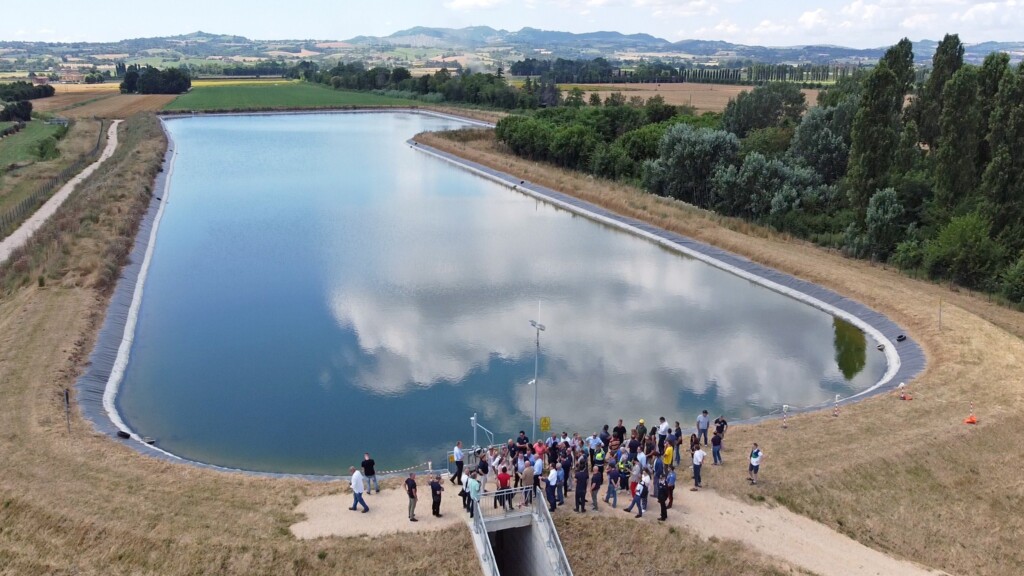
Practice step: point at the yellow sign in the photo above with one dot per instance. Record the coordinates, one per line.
(545, 424)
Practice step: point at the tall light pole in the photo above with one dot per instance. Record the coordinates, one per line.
(536, 366)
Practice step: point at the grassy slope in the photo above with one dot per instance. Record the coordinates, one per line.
(21, 147)
(277, 95)
(908, 478)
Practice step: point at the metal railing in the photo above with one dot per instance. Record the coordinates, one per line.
(487, 559)
(507, 502)
(552, 541)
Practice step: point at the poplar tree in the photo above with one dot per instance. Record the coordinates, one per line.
(956, 173)
(927, 109)
(1003, 180)
(875, 136)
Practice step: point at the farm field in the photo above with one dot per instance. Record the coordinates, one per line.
(281, 95)
(120, 106)
(21, 147)
(68, 95)
(703, 97)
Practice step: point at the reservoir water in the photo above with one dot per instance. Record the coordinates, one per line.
(319, 289)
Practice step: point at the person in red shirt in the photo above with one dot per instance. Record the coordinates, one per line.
(502, 495)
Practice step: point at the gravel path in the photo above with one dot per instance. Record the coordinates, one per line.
(773, 531)
(19, 237)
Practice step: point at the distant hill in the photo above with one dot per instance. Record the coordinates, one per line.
(606, 43)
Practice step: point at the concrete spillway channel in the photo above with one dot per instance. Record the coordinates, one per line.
(514, 535)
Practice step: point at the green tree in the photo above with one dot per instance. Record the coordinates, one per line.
(956, 171)
(1003, 181)
(900, 59)
(765, 106)
(687, 159)
(964, 252)
(595, 99)
(874, 136)
(996, 65)
(575, 97)
(927, 107)
(822, 139)
(772, 142)
(883, 220)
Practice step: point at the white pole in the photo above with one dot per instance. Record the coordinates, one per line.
(536, 367)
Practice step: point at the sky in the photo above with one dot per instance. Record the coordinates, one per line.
(853, 23)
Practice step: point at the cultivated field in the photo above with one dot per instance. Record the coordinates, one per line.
(703, 97)
(277, 95)
(68, 95)
(907, 478)
(21, 147)
(120, 106)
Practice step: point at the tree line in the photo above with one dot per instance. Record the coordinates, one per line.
(463, 86)
(926, 175)
(21, 90)
(601, 71)
(150, 80)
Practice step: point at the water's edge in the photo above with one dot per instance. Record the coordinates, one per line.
(97, 387)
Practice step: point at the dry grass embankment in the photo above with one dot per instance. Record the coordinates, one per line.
(18, 184)
(906, 478)
(85, 504)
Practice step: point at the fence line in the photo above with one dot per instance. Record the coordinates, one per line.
(10, 220)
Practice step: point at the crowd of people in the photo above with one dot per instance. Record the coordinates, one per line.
(593, 468)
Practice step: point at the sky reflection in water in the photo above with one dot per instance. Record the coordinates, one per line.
(319, 289)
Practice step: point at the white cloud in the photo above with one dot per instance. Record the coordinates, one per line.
(472, 4)
(918, 21)
(770, 27)
(860, 10)
(813, 20)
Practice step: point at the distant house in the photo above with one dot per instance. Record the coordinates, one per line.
(71, 76)
(40, 80)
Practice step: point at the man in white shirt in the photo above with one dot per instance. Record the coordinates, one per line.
(357, 489)
(459, 463)
(549, 490)
(702, 426)
(663, 428)
(698, 460)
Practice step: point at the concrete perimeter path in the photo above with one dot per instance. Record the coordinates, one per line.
(19, 237)
(773, 531)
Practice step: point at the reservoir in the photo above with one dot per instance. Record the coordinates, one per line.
(319, 289)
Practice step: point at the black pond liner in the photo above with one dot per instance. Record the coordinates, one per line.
(92, 384)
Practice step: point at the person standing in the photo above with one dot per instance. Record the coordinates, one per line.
(634, 478)
(410, 489)
(357, 490)
(613, 481)
(721, 426)
(596, 480)
(663, 428)
(670, 484)
(581, 478)
(716, 448)
(474, 493)
(646, 486)
(550, 483)
(663, 502)
(678, 433)
(641, 430)
(457, 456)
(698, 460)
(370, 474)
(435, 496)
(528, 485)
(538, 472)
(755, 463)
(619, 432)
(702, 426)
(502, 496)
(560, 474)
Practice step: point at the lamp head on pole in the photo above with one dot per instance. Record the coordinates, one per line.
(537, 325)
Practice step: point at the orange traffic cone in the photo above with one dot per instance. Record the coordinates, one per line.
(971, 419)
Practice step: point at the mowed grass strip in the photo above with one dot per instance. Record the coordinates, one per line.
(21, 147)
(282, 95)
